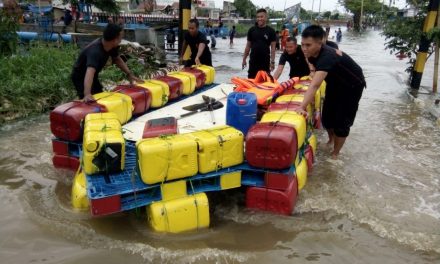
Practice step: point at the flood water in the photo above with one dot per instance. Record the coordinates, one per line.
(379, 203)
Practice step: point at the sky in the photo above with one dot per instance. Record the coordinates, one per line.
(326, 5)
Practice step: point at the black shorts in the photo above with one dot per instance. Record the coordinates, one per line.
(78, 82)
(340, 108)
(256, 66)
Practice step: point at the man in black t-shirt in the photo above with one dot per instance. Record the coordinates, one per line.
(92, 60)
(345, 84)
(295, 57)
(198, 43)
(261, 45)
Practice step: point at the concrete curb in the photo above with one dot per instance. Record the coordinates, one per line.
(427, 101)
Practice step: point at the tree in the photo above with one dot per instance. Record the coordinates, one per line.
(9, 15)
(335, 16)
(371, 7)
(105, 5)
(327, 14)
(246, 8)
(403, 34)
(271, 13)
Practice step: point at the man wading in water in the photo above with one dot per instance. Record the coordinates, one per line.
(92, 60)
(345, 84)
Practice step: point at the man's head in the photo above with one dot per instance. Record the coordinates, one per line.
(113, 34)
(291, 45)
(261, 17)
(193, 27)
(311, 42)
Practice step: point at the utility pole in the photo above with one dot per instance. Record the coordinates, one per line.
(422, 53)
(184, 17)
(311, 14)
(319, 9)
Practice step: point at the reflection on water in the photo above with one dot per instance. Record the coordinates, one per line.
(380, 203)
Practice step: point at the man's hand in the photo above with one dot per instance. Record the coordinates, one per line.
(132, 78)
(243, 64)
(302, 112)
(197, 61)
(88, 98)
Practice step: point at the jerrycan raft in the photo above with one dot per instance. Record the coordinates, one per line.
(103, 144)
(175, 86)
(188, 81)
(166, 158)
(292, 118)
(160, 126)
(199, 74)
(117, 103)
(66, 120)
(241, 111)
(218, 148)
(79, 197)
(159, 92)
(209, 72)
(271, 145)
(141, 98)
(301, 173)
(179, 215)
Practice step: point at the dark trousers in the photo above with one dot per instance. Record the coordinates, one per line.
(78, 82)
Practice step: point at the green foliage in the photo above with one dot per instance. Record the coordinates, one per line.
(327, 14)
(36, 80)
(246, 8)
(271, 13)
(8, 35)
(371, 7)
(242, 29)
(335, 16)
(113, 74)
(434, 35)
(403, 34)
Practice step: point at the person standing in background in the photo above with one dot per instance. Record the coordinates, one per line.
(284, 35)
(260, 45)
(198, 43)
(231, 36)
(293, 54)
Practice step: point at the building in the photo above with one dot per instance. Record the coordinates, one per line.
(229, 9)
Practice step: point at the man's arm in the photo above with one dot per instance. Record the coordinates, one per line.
(199, 53)
(309, 96)
(272, 55)
(184, 47)
(123, 66)
(88, 81)
(247, 49)
(278, 72)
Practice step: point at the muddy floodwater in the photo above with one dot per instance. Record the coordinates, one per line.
(379, 203)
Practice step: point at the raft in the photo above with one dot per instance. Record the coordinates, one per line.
(170, 174)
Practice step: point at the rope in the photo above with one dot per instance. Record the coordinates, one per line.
(169, 148)
(196, 203)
